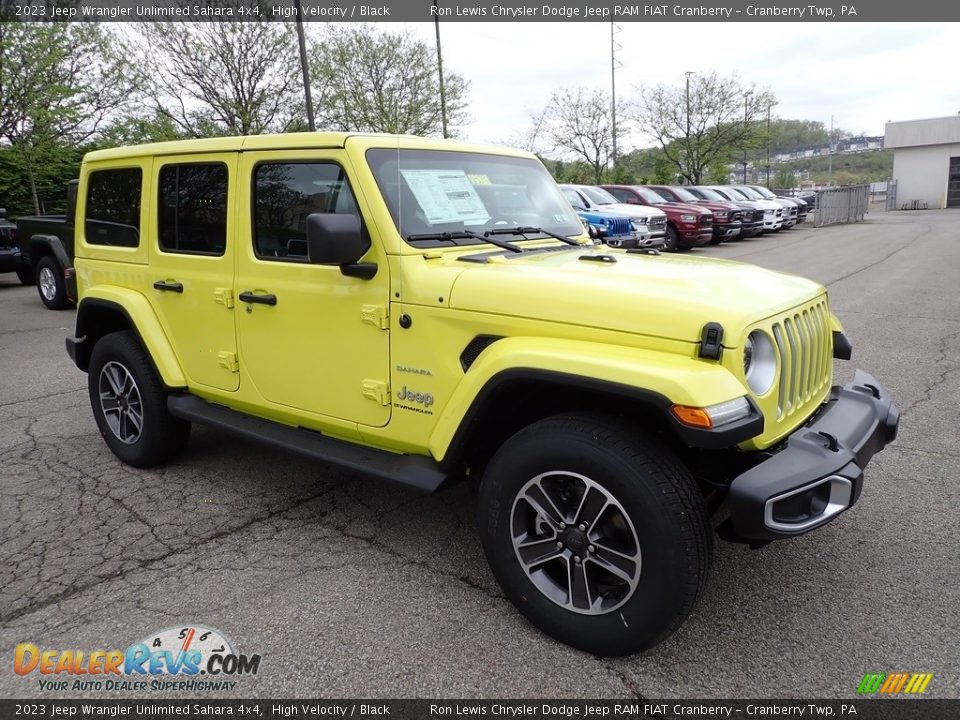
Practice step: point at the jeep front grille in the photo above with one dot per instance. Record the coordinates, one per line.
(804, 345)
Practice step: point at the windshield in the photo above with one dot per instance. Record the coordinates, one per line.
(440, 191)
(706, 193)
(684, 194)
(598, 196)
(749, 193)
(650, 196)
(764, 192)
(736, 194)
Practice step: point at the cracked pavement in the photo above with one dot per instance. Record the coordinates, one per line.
(348, 587)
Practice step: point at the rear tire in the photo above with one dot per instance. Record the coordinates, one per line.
(51, 284)
(130, 404)
(546, 484)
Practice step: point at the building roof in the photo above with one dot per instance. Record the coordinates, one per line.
(930, 131)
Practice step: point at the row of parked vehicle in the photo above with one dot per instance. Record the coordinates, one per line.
(678, 217)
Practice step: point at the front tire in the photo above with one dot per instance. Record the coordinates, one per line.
(130, 404)
(672, 242)
(600, 538)
(51, 284)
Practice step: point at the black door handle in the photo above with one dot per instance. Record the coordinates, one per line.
(249, 297)
(168, 286)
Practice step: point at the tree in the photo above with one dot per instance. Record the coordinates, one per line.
(717, 119)
(59, 83)
(371, 80)
(216, 78)
(576, 122)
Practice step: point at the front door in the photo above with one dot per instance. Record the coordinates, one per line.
(192, 264)
(311, 338)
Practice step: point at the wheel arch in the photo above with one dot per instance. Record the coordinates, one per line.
(40, 245)
(117, 310)
(517, 381)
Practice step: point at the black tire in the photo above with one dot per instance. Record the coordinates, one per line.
(672, 241)
(51, 284)
(160, 436)
(25, 276)
(667, 516)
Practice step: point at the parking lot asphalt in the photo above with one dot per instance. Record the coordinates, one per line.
(348, 587)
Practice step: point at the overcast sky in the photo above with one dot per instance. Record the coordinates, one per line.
(862, 74)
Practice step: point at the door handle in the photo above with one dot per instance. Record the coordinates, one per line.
(168, 286)
(250, 297)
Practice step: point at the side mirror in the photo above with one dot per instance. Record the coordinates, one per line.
(3, 213)
(632, 201)
(339, 239)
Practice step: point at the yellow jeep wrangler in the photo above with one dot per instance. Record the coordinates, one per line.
(422, 311)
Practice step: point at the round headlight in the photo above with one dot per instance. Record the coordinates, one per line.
(759, 362)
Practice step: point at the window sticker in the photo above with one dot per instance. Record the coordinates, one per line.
(446, 196)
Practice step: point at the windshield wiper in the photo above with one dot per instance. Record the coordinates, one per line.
(530, 231)
(465, 234)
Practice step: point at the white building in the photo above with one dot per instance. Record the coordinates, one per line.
(926, 160)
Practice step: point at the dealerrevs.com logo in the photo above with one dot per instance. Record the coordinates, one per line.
(894, 683)
(191, 658)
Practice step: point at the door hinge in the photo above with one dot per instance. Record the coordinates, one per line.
(375, 315)
(228, 360)
(377, 391)
(224, 296)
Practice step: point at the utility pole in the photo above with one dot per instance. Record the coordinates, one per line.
(304, 68)
(613, 94)
(686, 145)
(830, 161)
(443, 90)
(746, 100)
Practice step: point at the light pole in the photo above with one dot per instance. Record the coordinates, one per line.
(443, 91)
(303, 65)
(746, 100)
(769, 105)
(613, 94)
(688, 73)
(830, 161)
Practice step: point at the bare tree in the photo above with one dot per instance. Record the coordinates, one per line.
(576, 122)
(372, 80)
(236, 78)
(717, 119)
(59, 83)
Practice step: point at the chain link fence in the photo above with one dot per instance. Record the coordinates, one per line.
(843, 204)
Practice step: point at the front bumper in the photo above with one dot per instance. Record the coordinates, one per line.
(726, 232)
(819, 471)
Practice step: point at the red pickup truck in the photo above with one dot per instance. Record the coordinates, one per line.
(687, 225)
(727, 217)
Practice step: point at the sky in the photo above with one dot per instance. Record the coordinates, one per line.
(863, 74)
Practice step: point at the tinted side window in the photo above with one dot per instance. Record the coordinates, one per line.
(621, 195)
(192, 209)
(284, 195)
(113, 207)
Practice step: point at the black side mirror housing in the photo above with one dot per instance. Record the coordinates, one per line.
(335, 238)
(339, 239)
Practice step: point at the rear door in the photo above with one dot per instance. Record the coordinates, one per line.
(192, 264)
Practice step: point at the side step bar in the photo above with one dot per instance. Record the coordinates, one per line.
(413, 471)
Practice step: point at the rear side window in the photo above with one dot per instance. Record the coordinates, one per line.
(113, 207)
(284, 195)
(192, 209)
